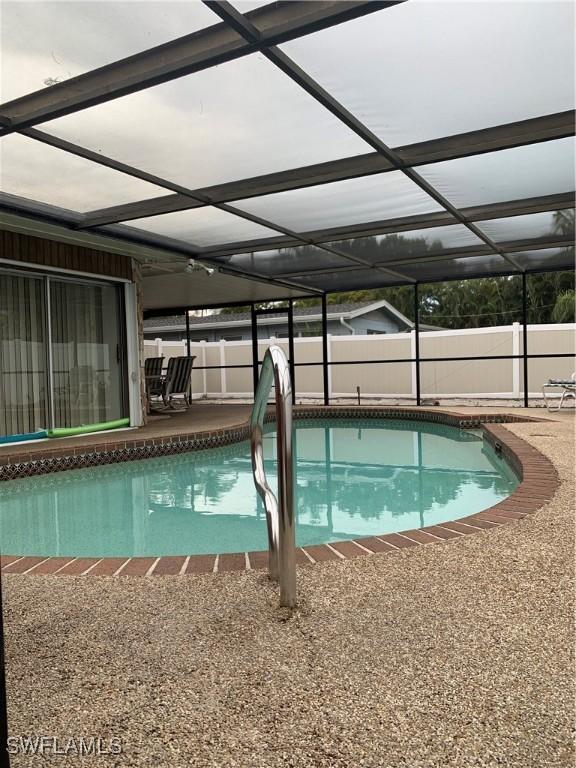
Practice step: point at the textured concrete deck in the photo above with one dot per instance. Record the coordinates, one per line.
(452, 656)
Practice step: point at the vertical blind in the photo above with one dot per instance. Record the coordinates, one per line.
(61, 353)
(23, 369)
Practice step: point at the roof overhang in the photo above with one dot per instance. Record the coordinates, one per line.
(179, 290)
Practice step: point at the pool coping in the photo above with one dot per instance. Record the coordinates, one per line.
(538, 483)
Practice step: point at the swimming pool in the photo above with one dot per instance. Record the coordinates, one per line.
(355, 478)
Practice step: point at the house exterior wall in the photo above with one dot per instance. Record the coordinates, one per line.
(49, 253)
(372, 322)
(42, 364)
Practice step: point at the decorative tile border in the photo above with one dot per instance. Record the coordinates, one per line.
(26, 464)
(113, 453)
(538, 476)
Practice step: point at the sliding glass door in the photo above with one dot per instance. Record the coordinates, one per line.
(86, 353)
(62, 353)
(23, 359)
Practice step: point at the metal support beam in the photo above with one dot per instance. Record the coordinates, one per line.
(145, 240)
(50, 216)
(417, 340)
(276, 23)
(291, 348)
(286, 237)
(168, 311)
(262, 30)
(525, 337)
(505, 136)
(255, 371)
(558, 125)
(38, 219)
(271, 311)
(187, 333)
(195, 200)
(399, 224)
(325, 376)
(244, 27)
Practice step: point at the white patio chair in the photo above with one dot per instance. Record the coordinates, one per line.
(568, 387)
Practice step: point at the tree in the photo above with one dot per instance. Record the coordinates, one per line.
(564, 308)
(564, 222)
(474, 303)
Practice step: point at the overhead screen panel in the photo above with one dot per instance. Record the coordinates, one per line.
(425, 69)
(471, 266)
(548, 224)
(354, 201)
(399, 245)
(202, 227)
(245, 6)
(412, 72)
(348, 280)
(511, 174)
(546, 258)
(44, 43)
(39, 172)
(286, 260)
(230, 122)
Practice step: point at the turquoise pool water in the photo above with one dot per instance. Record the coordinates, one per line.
(354, 478)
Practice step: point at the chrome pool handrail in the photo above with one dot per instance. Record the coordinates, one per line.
(279, 512)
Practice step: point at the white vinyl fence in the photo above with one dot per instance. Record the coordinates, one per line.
(485, 379)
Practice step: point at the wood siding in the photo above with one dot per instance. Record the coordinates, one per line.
(49, 253)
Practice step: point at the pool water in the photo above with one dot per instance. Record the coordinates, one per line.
(354, 478)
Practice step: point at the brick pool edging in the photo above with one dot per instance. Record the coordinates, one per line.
(539, 481)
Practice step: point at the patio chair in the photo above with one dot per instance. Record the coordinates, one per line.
(176, 383)
(153, 376)
(568, 387)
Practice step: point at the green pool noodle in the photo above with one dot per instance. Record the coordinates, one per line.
(86, 428)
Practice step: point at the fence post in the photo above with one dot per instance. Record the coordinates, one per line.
(328, 366)
(525, 338)
(222, 370)
(325, 366)
(158, 343)
(204, 377)
(516, 360)
(413, 371)
(187, 333)
(417, 340)
(254, 324)
(291, 352)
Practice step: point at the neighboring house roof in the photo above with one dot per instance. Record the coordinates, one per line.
(347, 311)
